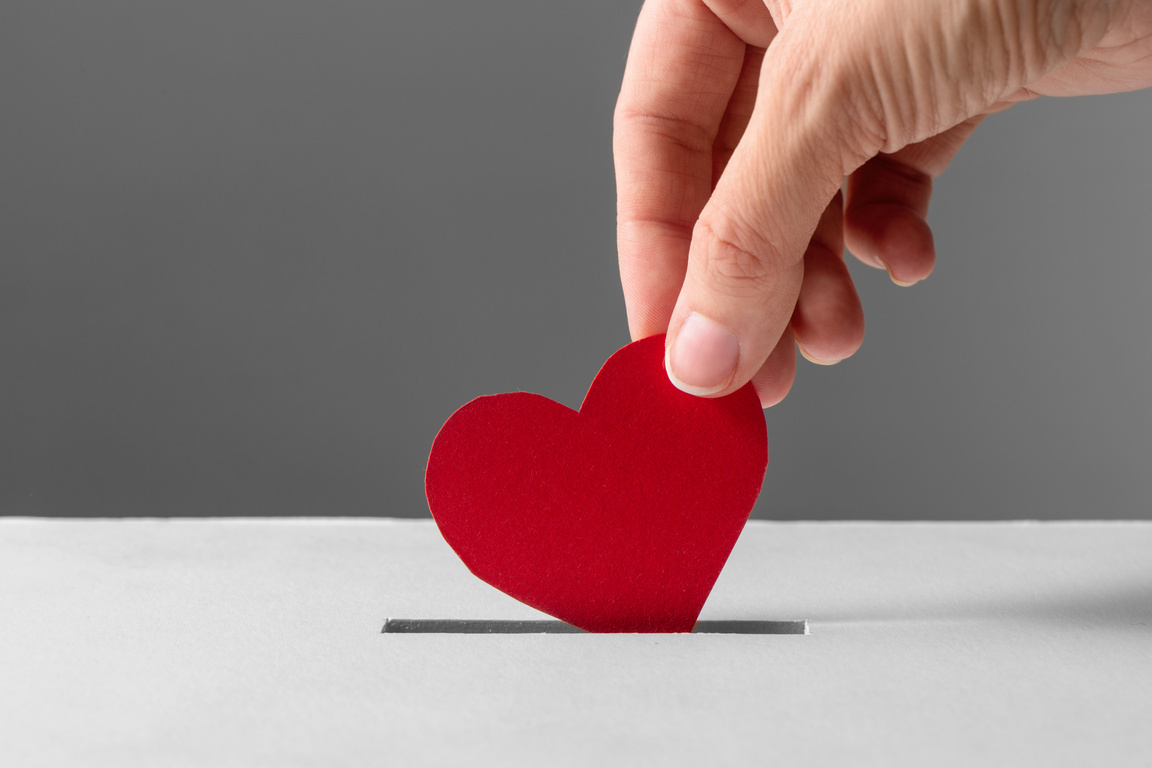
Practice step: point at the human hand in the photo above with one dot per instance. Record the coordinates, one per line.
(739, 120)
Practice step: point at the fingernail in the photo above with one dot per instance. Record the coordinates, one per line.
(880, 263)
(816, 360)
(702, 360)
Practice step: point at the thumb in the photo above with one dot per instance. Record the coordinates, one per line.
(746, 261)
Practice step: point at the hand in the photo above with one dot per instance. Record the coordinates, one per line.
(739, 120)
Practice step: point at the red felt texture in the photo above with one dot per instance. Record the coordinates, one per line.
(615, 518)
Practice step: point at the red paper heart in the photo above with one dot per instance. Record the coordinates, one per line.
(616, 518)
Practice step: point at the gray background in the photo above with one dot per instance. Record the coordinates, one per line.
(253, 254)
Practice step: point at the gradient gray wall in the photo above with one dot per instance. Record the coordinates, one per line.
(253, 254)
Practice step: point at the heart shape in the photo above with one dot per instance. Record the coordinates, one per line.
(614, 518)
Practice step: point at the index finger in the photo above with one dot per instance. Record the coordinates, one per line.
(682, 68)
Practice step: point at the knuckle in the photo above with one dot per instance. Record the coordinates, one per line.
(726, 266)
(686, 134)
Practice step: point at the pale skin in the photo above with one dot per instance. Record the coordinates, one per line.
(755, 139)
